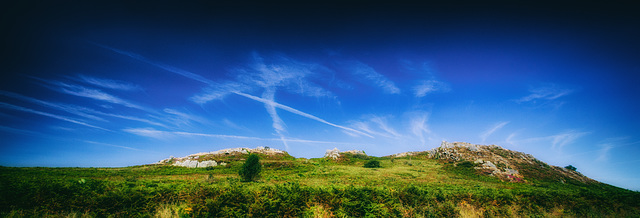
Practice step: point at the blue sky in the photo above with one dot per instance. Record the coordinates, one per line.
(104, 84)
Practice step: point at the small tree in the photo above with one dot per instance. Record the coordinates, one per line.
(372, 164)
(251, 168)
(572, 168)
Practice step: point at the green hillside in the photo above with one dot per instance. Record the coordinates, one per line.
(444, 182)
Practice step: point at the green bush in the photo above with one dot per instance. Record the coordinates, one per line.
(572, 168)
(372, 164)
(251, 168)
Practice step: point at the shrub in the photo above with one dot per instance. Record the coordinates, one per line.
(372, 164)
(251, 168)
(572, 168)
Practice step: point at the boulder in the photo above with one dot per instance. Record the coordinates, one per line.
(333, 154)
(207, 163)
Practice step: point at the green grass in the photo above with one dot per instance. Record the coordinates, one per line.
(290, 187)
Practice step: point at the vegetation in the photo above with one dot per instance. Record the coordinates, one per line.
(572, 168)
(290, 187)
(251, 168)
(372, 164)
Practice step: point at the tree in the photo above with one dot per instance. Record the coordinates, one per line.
(372, 164)
(251, 168)
(572, 168)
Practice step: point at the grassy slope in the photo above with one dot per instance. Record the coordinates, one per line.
(416, 187)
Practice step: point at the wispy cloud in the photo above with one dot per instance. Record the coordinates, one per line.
(168, 68)
(112, 145)
(109, 84)
(18, 108)
(545, 92)
(603, 153)
(78, 110)
(365, 72)
(21, 131)
(218, 92)
(376, 126)
(566, 138)
(292, 110)
(58, 106)
(149, 132)
(429, 86)
(181, 118)
(82, 91)
(419, 126)
(491, 130)
(558, 141)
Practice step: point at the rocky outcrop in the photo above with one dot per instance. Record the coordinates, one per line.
(258, 150)
(336, 154)
(205, 159)
(332, 154)
(195, 163)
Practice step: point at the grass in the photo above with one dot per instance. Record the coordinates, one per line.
(290, 187)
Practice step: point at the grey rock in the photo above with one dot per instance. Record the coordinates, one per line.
(333, 154)
(488, 164)
(207, 163)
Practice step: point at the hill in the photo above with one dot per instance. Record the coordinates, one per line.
(455, 179)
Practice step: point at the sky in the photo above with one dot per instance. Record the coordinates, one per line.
(112, 84)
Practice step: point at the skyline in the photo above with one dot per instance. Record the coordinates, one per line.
(130, 85)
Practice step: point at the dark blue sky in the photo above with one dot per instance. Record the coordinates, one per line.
(120, 84)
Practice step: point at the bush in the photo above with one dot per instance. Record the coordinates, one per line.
(572, 168)
(251, 168)
(372, 164)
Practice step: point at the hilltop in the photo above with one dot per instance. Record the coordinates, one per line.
(491, 160)
(454, 180)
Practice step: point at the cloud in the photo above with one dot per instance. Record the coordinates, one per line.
(94, 94)
(292, 110)
(78, 110)
(112, 145)
(557, 141)
(376, 125)
(429, 86)
(418, 125)
(218, 92)
(510, 139)
(603, 153)
(491, 130)
(365, 72)
(545, 92)
(18, 108)
(21, 131)
(560, 140)
(149, 132)
(109, 84)
(168, 68)
(180, 118)
(610, 143)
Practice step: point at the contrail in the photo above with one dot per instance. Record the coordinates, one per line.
(197, 77)
(178, 71)
(292, 110)
(14, 107)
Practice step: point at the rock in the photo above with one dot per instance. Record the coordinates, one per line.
(187, 163)
(223, 164)
(479, 161)
(511, 171)
(355, 152)
(490, 165)
(207, 163)
(333, 154)
(471, 147)
(404, 154)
